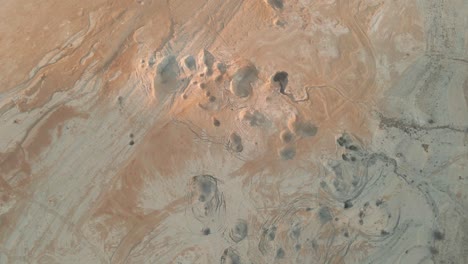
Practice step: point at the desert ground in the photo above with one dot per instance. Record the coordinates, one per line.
(234, 131)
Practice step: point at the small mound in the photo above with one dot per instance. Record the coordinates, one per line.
(167, 70)
(286, 136)
(242, 79)
(221, 67)
(287, 152)
(254, 118)
(230, 256)
(215, 121)
(303, 129)
(276, 4)
(324, 214)
(206, 231)
(166, 79)
(235, 142)
(190, 63)
(280, 253)
(205, 187)
(239, 231)
(282, 79)
(207, 59)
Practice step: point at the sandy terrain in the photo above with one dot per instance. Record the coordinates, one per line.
(229, 131)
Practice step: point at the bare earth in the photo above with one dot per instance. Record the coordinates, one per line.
(229, 131)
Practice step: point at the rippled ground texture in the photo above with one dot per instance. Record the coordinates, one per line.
(228, 131)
